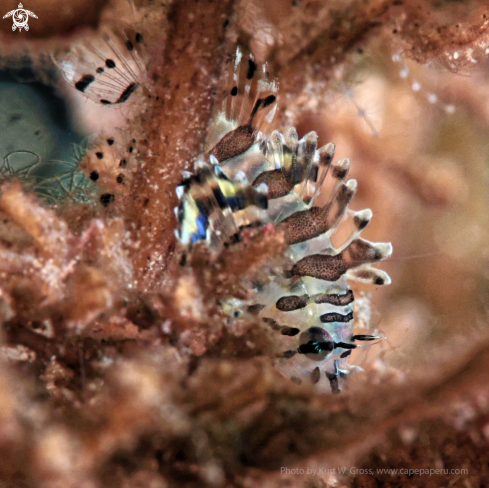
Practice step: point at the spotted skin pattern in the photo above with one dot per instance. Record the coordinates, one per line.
(310, 303)
(109, 69)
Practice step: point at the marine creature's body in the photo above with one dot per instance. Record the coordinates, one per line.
(250, 175)
(253, 176)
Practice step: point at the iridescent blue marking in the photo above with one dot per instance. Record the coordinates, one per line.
(202, 222)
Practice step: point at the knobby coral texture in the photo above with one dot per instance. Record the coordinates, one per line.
(181, 298)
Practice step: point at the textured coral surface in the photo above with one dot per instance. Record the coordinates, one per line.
(119, 368)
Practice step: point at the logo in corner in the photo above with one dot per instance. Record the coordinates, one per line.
(20, 17)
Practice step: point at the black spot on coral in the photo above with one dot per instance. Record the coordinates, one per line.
(84, 82)
(106, 199)
(269, 100)
(252, 67)
(94, 176)
(127, 93)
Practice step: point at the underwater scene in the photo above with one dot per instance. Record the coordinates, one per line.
(244, 243)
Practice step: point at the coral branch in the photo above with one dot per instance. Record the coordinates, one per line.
(175, 124)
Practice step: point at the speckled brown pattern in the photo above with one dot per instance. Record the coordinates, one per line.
(278, 186)
(334, 299)
(307, 224)
(292, 302)
(328, 268)
(235, 142)
(361, 250)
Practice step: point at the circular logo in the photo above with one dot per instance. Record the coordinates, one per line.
(20, 18)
